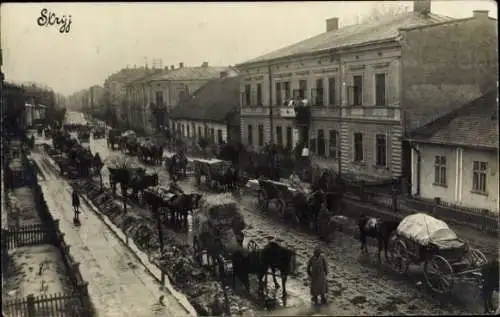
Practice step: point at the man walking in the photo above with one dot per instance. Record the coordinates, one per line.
(317, 271)
(76, 205)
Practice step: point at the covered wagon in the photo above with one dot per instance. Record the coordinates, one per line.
(421, 238)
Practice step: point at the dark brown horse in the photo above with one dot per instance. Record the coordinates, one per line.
(378, 229)
(273, 256)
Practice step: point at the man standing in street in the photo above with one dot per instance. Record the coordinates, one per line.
(317, 271)
(76, 205)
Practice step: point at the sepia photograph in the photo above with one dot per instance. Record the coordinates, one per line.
(300, 158)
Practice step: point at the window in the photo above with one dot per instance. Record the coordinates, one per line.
(159, 98)
(278, 94)
(279, 135)
(331, 91)
(321, 147)
(261, 135)
(381, 148)
(219, 136)
(250, 135)
(302, 88)
(479, 176)
(318, 98)
(286, 89)
(187, 130)
(358, 147)
(380, 90)
(248, 92)
(212, 134)
(199, 132)
(333, 143)
(289, 136)
(440, 170)
(357, 90)
(259, 94)
(206, 133)
(183, 130)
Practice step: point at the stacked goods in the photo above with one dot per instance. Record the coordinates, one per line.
(219, 218)
(177, 259)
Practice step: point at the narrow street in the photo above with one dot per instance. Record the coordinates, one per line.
(118, 284)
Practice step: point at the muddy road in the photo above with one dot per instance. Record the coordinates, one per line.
(357, 285)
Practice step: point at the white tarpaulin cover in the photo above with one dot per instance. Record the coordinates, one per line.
(423, 229)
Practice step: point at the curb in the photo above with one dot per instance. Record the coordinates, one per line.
(129, 243)
(179, 297)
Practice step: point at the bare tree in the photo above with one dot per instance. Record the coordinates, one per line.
(384, 10)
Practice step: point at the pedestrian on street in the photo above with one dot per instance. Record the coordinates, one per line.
(317, 270)
(76, 203)
(324, 222)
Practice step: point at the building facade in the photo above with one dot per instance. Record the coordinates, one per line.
(151, 98)
(209, 112)
(455, 157)
(364, 86)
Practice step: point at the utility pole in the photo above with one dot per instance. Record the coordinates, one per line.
(342, 81)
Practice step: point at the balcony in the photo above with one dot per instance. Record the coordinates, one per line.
(317, 97)
(372, 113)
(302, 116)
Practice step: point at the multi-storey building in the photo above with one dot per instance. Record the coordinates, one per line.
(162, 91)
(366, 85)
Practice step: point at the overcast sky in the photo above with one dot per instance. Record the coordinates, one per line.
(104, 38)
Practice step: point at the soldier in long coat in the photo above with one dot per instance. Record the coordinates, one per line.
(317, 270)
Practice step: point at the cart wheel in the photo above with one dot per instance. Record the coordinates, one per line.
(398, 256)
(263, 201)
(478, 259)
(252, 245)
(438, 274)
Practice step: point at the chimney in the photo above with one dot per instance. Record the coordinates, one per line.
(332, 24)
(422, 6)
(172, 67)
(204, 65)
(181, 65)
(480, 14)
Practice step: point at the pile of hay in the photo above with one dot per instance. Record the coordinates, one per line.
(221, 208)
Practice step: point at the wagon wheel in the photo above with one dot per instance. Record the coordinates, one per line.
(438, 274)
(398, 256)
(252, 245)
(263, 200)
(477, 258)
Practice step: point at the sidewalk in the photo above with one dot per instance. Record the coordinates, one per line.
(118, 284)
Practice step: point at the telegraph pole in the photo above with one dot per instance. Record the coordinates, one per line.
(271, 123)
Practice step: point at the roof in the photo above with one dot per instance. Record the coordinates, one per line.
(473, 125)
(215, 101)
(128, 74)
(374, 31)
(189, 73)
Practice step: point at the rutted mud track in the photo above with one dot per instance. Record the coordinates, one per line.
(356, 285)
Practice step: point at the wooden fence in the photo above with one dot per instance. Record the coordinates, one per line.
(76, 304)
(55, 305)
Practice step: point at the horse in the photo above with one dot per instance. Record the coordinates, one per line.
(273, 256)
(177, 165)
(376, 228)
(489, 283)
(181, 205)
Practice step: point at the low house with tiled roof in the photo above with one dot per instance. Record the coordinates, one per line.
(164, 90)
(455, 157)
(366, 85)
(211, 112)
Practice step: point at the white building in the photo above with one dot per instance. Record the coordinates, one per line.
(455, 157)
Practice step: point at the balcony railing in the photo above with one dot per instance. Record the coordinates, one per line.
(250, 100)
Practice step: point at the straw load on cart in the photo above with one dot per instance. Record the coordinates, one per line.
(216, 225)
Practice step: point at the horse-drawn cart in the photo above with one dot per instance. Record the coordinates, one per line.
(99, 132)
(423, 238)
(217, 230)
(214, 171)
(279, 194)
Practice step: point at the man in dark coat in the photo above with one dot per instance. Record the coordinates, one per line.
(76, 203)
(317, 270)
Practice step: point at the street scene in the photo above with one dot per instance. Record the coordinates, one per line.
(351, 170)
